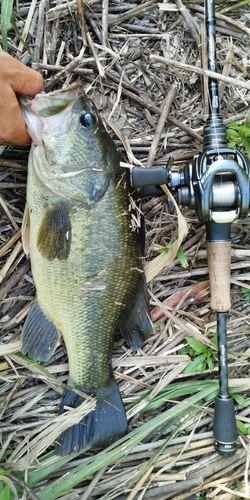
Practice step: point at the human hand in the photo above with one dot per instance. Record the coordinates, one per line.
(15, 77)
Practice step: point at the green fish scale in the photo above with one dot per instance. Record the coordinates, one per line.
(101, 241)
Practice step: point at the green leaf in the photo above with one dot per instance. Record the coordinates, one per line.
(156, 323)
(165, 249)
(182, 257)
(210, 364)
(248, 121)
(246, 143)
(239, 399)
(246, 293)
(32, 364)
(6, 12)
(6, 493)
(234, 125)
(4, 472)
(243, 130)
(196, 365)
(232, 133)
(242, 428)
(215, 339)
(238, 134)
(7, 487)
(187, 350)
(196, 345)
(232, 144)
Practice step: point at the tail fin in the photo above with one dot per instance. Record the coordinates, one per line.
(99, 428)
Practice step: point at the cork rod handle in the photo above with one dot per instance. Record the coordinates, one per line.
(219, 263)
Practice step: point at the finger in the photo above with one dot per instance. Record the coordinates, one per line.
(15, 77)
(12, 127)
(23, 80)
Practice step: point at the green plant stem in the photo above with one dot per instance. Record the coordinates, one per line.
(158, 452)
(6, 13)
(24, 485)
(235, 6)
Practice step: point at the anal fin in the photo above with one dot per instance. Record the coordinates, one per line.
(135, 324)
(39, 338)
(99, 428)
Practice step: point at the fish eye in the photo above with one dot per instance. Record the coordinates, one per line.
(86, 120)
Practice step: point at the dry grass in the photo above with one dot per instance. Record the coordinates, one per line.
(121, 52)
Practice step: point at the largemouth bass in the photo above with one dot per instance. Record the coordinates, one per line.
(86, 260)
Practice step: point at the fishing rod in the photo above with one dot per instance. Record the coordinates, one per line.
(216, 183)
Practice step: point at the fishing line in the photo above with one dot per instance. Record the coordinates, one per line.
(211, 65)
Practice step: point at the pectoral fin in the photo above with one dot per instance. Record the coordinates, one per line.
(39, 338)
(54, 235)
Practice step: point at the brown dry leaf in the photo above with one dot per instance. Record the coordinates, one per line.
(161, 261)
(197, 292)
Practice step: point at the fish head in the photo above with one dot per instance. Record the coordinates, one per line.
(72, 153)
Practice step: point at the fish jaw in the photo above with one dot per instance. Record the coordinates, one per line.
(49, 112)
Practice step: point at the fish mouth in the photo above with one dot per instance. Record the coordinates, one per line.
(55, 102)
(45, 105)
(53, 112)
(44, 112)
